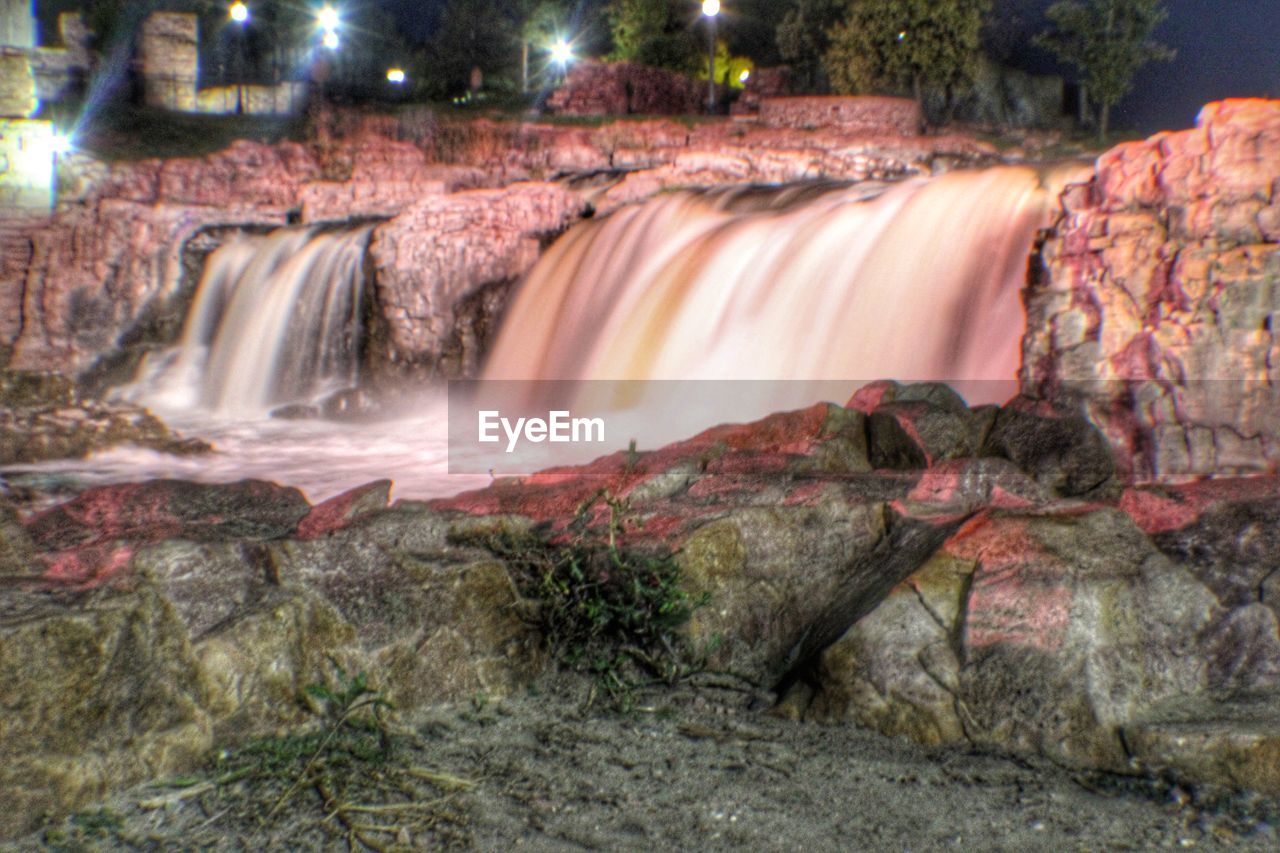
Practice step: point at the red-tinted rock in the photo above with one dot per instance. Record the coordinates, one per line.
(624, 88)
(339, 511)
(170, 509)
(1158, 295)
(1061, 449)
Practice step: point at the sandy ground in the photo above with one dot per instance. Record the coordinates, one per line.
(690, 769)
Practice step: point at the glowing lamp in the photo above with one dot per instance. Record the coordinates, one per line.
(396, 76)
(562, 52)
(902, 36)
(331, 39)
(744, 76)
(711, 8)
(60, 144)
(329, 19)
(239, 13)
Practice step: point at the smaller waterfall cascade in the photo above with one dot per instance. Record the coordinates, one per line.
(276, 319)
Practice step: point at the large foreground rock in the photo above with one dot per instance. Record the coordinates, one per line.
(952, 598)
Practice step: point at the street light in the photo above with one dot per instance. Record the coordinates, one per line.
(710, 9)
(331, 39)
(239, 13)
(329, 19)
(395, 76)
(562, 53)
(60, 144)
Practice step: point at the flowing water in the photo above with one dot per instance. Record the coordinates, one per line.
(918, 280)
(276, 319)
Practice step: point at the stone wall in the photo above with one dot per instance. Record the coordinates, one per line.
(17, 85)
(856, 114)
(26, 165)
(251, 99)
(171, 60)
(1159, 294)
(625, 88)
(1008, 97)
(171, 69)
(17, 23)
(763, 83)
(61, 71)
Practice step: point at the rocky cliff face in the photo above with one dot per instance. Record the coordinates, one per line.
(1157, 297)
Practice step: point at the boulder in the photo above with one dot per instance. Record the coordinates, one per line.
(1058, 634)
(100, 691)
(17, 554)
(1231, 743)
(1064, 451)
(963, 602)
(171, 509)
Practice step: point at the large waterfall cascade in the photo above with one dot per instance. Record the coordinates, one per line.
(923, 282)
(276, 319)
(920, 279)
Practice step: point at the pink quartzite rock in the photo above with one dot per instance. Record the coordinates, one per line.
(624, 88)
(1158, 298)
(855, 114)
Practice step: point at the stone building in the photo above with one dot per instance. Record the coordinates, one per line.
(170, 58)
(17, 24)
(26, 145)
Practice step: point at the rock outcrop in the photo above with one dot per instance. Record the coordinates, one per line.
(43, 417)
(904, 562)
(440, 251)
(1157, 297)
(855, 114)
(625, 88)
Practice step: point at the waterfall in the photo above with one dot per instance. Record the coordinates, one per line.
(923, 281)
(276, 319)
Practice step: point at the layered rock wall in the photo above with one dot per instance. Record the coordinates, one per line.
(858, 114)
(625, 88)
(1155, 299)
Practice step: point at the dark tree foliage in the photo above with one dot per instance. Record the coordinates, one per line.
(907, 46)
(473, 34)
(656, 32)
(751, 29)
(1108, 41)
(803, 41)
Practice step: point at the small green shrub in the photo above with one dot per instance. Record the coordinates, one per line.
(602, 609)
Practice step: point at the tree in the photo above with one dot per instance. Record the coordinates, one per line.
(1108, 40)
(655, 32)
(538, 23)
(473, 34)
(907, 46)
(803, 40)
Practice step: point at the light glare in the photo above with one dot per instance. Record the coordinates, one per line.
(711, 8)
(331, 40)
(744, 76)
(60, 144)
(562, 52)
(395, 75)
(329, 18)
(239, 12)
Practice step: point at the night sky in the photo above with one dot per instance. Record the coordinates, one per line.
(1226, 48)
